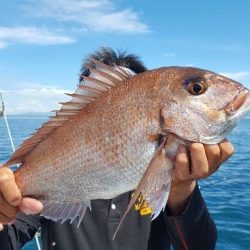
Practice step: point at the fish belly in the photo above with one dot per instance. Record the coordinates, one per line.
(82, 170)
(86, 178)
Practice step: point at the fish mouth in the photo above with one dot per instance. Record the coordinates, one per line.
(234, 105)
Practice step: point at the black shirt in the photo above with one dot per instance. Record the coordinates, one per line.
(194, 229)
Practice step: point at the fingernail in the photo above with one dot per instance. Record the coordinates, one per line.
(27, 211)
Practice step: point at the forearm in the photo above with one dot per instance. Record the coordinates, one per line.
(179, 196)
(15, 236)
(194, 228)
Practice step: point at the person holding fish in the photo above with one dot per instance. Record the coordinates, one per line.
(156, 132)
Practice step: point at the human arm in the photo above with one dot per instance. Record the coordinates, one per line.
(188, 220)
(194, 228)
(198, 162)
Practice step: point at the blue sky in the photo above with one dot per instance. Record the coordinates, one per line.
(42, 43)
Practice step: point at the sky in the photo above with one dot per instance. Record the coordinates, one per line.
(43, 42)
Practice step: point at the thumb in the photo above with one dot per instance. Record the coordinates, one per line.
(30, 206)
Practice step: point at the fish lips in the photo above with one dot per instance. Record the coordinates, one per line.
(240, 99)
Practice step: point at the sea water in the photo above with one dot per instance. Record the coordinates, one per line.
(227, 193)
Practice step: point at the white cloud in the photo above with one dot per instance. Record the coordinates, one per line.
(237, 75)
(242, 76)
(31, 35)
(3, 44)
(96, 15)
(37, 98)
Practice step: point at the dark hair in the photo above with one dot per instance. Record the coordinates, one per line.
(109, 57)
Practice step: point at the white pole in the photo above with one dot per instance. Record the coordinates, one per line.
(8, 129)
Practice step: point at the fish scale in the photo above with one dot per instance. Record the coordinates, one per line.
(97, 150)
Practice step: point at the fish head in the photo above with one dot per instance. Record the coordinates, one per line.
(201, 105)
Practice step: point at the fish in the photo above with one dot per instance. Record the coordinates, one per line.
(120, 132)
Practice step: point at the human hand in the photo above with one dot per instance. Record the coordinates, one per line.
(198, 163)
(11, 201)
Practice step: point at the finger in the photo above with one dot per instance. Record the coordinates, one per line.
(9, 188)
(1, 227)
(181, 169)
(227, 150)
(5, 219)
(31, 206)
(213, 153)
(199, 163)
(6, 209)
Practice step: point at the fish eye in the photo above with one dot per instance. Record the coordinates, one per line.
(196, 86)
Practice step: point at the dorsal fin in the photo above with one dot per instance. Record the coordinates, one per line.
(101, 79)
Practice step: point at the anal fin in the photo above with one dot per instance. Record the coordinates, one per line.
(64, 211)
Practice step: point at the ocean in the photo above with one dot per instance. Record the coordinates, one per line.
(227, 193)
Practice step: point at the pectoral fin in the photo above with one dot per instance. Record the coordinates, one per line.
(154, 185)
